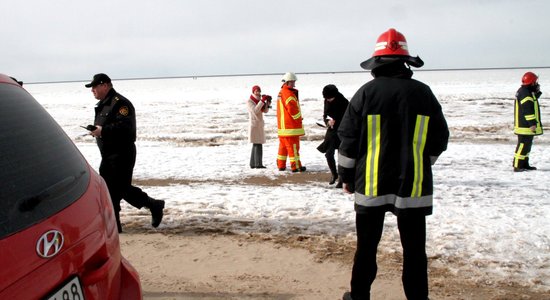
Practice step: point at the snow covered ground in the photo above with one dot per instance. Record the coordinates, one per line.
(192, 134)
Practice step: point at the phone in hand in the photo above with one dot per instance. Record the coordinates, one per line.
(89, 127)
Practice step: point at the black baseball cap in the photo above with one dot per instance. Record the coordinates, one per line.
(98, 79)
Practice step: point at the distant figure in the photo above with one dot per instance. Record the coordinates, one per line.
(526, 120)
(257, 106)
(289, 125)
(391, 134)
(115, 133)
(334, 109)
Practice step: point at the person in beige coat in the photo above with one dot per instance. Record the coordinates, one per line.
(257, 104)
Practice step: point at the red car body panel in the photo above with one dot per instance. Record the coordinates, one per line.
(90, 251)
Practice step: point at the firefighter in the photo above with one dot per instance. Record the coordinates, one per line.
(392, 132)
(289, 125)
(527, 122)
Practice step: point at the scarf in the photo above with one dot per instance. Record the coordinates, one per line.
(254, 99)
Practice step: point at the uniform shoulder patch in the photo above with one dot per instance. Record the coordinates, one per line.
(123, 110)
(116, 98)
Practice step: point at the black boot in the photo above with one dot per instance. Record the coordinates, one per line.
(332, 166)
(333, 178)
(256, 157)
(157, 211)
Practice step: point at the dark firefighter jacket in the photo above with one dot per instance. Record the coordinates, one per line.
(526, 112)
(391, 133)
(117, 116)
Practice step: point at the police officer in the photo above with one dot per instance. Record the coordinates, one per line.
(115, 133)
(526, 120)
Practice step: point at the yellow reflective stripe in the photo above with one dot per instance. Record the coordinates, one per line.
(291, 132)
(290, 99)
(518, 156)
(524, 131)
(296, 116)
(373, 154)
(530, 117)
(419, 142)
(296, 156)
(281, 157)
(281, 115)
(526, 99)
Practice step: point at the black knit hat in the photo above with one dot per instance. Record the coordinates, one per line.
(330, 91)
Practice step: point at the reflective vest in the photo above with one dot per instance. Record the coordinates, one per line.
(526, 113)
(289, 114)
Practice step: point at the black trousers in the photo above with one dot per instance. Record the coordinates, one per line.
(412, 231)
(332, 143)
(523, 148)
(117, 170)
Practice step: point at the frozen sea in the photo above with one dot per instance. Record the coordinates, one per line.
(488, 221)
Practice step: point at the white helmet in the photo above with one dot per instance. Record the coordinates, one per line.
(289, 76)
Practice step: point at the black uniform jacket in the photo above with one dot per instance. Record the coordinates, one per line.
(391, 132)
(334, 109)
(117, 116)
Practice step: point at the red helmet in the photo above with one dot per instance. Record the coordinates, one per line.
(529, 78)
(391, 42)
(391, 46)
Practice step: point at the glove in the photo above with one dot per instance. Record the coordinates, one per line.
(266, 98)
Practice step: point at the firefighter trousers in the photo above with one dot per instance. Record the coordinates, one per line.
(523, 148)
(289, 146)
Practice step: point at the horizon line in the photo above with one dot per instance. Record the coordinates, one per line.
(278, 73)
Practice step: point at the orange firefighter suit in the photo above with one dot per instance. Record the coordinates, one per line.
(289, 125)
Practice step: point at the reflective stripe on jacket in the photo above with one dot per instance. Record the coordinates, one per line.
(289, 114)
(526, 113)
(391, 132)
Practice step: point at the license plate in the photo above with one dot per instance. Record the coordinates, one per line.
(70, 291)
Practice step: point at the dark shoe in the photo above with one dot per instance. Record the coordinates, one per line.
(282, 169)
(530, 168)
(261, 167)
(301, 169)
(333, 178)
(157, 212)
(338, 185)
(347, 296)
(519, 170)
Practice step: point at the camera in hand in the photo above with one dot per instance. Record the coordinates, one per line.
(267, 100)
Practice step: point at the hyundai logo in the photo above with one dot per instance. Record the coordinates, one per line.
(49, 244)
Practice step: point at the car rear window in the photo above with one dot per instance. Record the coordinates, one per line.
(41, 170)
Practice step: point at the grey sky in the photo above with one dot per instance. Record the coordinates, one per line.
(60, 40)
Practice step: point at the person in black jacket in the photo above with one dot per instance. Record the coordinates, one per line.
(334, 108)
(115, 133)
(527, 121)
(391, 134)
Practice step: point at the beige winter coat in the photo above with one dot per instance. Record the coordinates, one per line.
(256, 133)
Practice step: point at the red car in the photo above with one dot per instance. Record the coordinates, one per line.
(58, 235)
